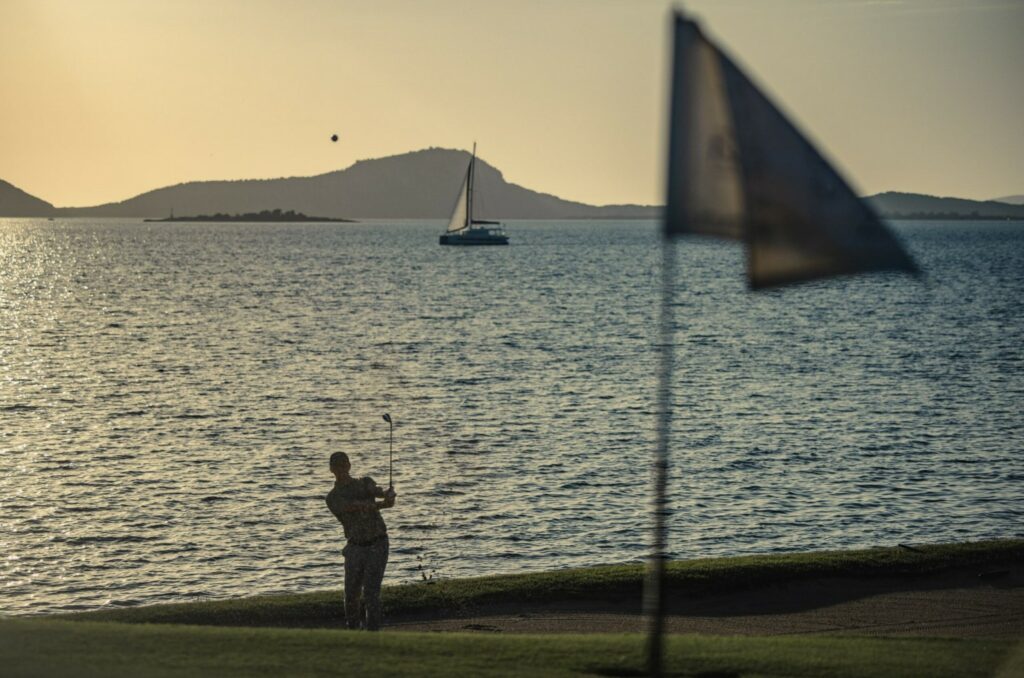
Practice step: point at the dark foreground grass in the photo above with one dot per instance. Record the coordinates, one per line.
(60, 648)
(687, 578)
(93, 644)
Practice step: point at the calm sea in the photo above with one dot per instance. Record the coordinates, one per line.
(170, 394)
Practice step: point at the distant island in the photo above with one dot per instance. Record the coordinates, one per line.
(274, 216)
(947, 216)
(914, 206)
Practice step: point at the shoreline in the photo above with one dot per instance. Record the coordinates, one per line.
(613, 586)
(957, 603)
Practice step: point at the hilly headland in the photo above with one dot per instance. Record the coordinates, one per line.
(421, 185)
(416, 185)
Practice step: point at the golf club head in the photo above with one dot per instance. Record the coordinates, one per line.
(387, 418)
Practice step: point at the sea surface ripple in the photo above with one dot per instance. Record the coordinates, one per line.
(170, 394)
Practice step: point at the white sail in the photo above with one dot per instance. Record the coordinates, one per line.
(739, 169)
(460, 213)
(463, 229)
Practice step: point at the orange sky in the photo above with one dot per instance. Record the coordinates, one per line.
(104, 99)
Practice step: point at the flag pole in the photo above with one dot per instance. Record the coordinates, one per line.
(654, 582)
(654, 591)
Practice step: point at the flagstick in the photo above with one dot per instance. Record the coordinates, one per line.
(654, 594)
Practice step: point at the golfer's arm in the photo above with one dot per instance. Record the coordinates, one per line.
(365, 508)
(380, 494)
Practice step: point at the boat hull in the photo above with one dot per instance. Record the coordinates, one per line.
(459, 240)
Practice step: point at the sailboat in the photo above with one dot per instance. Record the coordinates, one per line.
(463, 229)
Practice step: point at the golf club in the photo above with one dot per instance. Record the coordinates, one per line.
(391, 450)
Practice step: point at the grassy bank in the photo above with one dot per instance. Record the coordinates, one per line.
(218, 638)
(57, 648)
(688, 578)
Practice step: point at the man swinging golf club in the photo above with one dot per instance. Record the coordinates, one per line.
(353, 503)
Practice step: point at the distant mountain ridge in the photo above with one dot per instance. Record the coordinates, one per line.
(15, 202)
(417, 185)
(421, 185)
(894, 205)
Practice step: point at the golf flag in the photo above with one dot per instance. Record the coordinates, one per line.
(738, 169)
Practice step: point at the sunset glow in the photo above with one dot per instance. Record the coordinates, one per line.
(110, 98)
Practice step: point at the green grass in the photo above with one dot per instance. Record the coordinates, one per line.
(60, 648)
(227, 643)
(692, 578)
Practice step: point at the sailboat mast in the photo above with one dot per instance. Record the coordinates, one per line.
(469, 189)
